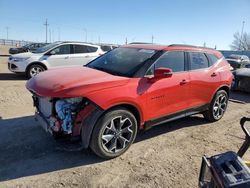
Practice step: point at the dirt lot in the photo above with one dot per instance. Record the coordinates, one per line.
(4, 50)
(168, 155)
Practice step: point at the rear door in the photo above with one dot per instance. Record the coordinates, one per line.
(204, 78)
(168, 95)
(82, 54)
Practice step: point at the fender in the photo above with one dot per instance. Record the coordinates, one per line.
(85, 122)
(36, 62)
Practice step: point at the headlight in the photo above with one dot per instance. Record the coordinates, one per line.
(20, 58)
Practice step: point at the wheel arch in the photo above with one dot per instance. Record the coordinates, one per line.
(224, 87)
(90, 123)
(132, 108)
(34, 63)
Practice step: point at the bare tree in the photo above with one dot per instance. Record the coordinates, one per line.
(241, 42)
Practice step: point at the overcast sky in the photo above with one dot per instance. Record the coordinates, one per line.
(112, 21)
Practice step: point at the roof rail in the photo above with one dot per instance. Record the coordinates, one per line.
(140, 43)
(187, 45)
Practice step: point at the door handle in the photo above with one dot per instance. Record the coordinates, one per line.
(213, 75)
(67, 57)
(87, 56)
(183, 82)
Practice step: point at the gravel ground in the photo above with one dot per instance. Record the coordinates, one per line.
(168, 155)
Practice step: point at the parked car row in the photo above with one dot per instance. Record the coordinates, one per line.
(241, 72)
(58, 54)
(238, 61)
(31, 47)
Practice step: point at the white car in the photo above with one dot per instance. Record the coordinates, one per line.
(58, 54)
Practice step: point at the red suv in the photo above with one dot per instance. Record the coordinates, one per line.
(132, 87)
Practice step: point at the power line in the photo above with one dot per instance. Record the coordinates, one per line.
(46, 25)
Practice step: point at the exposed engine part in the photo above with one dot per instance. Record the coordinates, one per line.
(55, 124)
(65, 109)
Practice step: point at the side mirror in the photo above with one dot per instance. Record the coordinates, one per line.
(52, 52)
(160, 73)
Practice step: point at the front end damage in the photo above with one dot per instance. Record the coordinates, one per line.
(66, 117)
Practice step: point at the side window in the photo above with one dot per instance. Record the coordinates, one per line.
(84, 49)
(173, 60)
(105, 48)
(212, 59)
(198, 60)
(78, 49)
(91, 49)
(64, 49)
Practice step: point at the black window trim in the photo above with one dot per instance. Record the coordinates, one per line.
(185, 62)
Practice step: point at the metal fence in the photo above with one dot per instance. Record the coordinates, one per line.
(13, 42)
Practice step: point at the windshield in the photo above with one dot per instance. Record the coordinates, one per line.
(122, 61)
(46, 48)
(26, 45)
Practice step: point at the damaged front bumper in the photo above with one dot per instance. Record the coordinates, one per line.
(83, 116)
(43, 122)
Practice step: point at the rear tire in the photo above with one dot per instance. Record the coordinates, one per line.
(217, 107)
(33, 70)
(114, 133)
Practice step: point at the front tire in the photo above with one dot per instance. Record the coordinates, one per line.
(33, 70)
(114, 133)
(217, 107)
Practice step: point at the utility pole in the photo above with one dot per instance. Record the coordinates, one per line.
(46, 25)
(152, 39)
(58, 29)
(126, 41)
(7, 32)
(86, 34)
(99, 40)
(204, 44)
(49, 35)
(242, 29)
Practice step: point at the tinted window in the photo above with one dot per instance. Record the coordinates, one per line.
(91, 49)
(172, 60)
(106, 48)
(247, 65)
(122, 61)
(80, 49)
(198, 60)
(64, 49)
(212, 58)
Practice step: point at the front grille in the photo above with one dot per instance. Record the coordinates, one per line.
(45, 106)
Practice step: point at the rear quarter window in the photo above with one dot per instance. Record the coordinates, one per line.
(212, 59)
(198, 60)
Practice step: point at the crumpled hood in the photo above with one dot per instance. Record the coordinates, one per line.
(72, 82)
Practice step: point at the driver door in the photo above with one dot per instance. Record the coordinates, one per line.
(168, 96)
